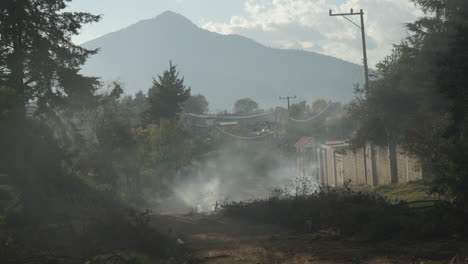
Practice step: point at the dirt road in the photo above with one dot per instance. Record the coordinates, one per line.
(219, 240)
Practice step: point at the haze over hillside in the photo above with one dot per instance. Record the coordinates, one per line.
(224, 68)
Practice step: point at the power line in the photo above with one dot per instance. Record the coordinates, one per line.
(263, 114)
(199, 116)
(246, 117)
(241, 137)
(313, 117)
(228, 117)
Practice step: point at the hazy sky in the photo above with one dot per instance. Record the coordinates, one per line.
(299, 24)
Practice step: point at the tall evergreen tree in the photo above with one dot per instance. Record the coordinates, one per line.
(166, 96)
(419, 98)
(37, 56)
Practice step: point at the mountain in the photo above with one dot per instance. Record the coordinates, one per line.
(224, 68)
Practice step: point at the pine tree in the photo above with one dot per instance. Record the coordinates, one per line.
(37, 55)
(419, 98)
(166, 96)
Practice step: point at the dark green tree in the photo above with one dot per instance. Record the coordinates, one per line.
(419, 98)
(245, 106)
(299, 110)
(196, 104)
(7, 102)
(37, 56)
(318, 105)
(140, 103)
(167, 96)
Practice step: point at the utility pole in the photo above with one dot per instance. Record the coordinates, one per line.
(363, 34)
(366, 76)
(287, 98)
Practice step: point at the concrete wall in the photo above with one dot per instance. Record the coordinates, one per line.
(383, 166)
(330, 165)
(374, 165)
(354, 167)
(409, 168)
(350, 166)
(322, 166)
(371, 175)
(339, 170)
(360, 167)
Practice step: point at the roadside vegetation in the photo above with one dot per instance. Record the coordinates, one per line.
(78, 157)
(362, 215)
(407, 192)
(417, 99)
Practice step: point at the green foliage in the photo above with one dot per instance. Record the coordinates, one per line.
(54, 208)
(134, 108)
(163, 144)
(245, 106)
(360, 215)
(107, 149)
(161, 151)
(300, 110)
(9, 202)
(7, 101)
(330, 122)
(418, 98)
(196, 104)
(37, 56)
(72, 168)
(408, 192)
(167, 96)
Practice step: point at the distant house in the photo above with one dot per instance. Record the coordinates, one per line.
(305, 155)
(373, 165)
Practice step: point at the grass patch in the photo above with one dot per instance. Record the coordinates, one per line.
(408, 192)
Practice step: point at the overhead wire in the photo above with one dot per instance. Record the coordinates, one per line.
(246, 117)
(199, 116)
(241, 137)
(251, 116)
(228, 117)
(313, 117)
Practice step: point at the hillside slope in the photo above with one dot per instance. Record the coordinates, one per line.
(222, 67)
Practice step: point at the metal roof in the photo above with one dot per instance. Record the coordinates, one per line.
(304, 142)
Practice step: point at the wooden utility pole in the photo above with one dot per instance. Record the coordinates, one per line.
(287, 98)
(366, 76)
(363, 35)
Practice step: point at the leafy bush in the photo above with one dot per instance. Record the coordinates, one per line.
(9, 201)
(409, 192)
(362, 215)
(77, 219)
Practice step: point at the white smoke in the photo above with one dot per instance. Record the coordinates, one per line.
(236, 173)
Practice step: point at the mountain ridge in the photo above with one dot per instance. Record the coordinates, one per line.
(224, 68)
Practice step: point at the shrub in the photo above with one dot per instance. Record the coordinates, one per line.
(363, 215)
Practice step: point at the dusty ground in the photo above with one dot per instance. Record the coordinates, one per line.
(219, 240)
